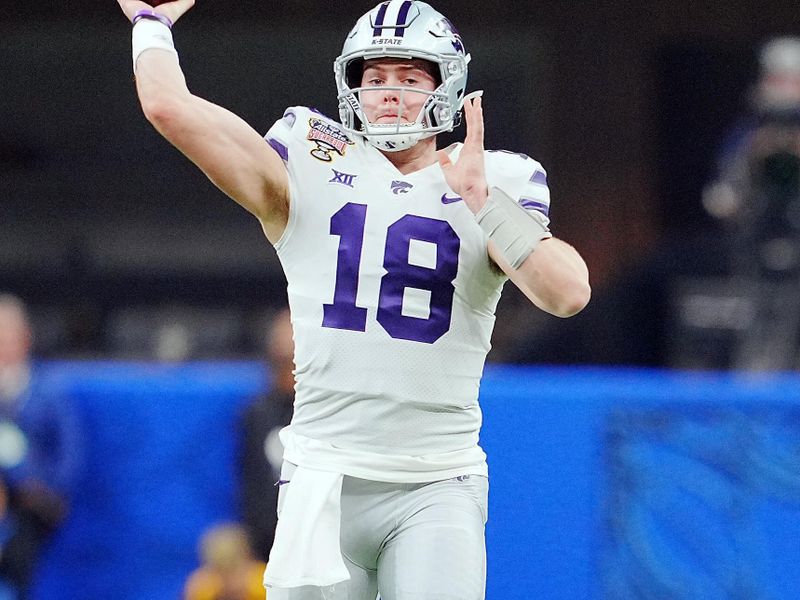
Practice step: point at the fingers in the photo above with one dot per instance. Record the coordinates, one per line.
(444, 159)
(473, 113)
(175, 9)
(130, 7)
(475, 94)
(172, 10)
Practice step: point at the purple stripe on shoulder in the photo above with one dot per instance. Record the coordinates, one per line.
(320, 113)
(540, 206)
(282, 150)
(539, 177)
(289, 118)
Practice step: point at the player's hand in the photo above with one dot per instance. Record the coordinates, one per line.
(172, 10)
(467, 176)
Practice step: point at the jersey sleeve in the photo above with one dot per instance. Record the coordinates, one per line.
(307, 141)
(521, 177)
(280, 135)
(304, 131)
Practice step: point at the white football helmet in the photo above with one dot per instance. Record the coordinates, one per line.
(403, 29)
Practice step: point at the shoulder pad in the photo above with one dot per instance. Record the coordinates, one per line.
(307, 127)
(521, 177)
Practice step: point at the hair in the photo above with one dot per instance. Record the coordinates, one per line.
(355, 70)
(781, 55)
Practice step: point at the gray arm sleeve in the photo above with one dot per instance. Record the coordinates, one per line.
(515, 231)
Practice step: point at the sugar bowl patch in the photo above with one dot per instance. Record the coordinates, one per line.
(328, 140)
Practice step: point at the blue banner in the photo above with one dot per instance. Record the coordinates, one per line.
(618, 484)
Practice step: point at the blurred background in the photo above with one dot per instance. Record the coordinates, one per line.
(669, 169)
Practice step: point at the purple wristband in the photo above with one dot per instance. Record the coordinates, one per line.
(152, 15)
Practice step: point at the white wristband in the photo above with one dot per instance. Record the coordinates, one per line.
(148, 34)
(515, 231)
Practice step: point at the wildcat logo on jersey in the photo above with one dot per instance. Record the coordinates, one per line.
(328, 139)
(401, 187)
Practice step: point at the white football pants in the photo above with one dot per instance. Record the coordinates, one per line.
(407, 541)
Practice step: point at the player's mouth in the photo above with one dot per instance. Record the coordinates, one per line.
(393, 117)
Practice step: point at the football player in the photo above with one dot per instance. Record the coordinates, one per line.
(395, 254)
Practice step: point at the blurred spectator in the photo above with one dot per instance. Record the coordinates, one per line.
(262, 453)
(757, 188)
(756, 195)
(17, 549)
(40, 439)
(722, 296)
(228, 570)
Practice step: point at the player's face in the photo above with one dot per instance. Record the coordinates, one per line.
(14, 337)
(382, 106)
(780, 91)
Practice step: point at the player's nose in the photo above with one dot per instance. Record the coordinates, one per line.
(391, 96)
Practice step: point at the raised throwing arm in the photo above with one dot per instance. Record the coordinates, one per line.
(230, 152)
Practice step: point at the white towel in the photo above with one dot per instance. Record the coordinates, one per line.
(307, 550)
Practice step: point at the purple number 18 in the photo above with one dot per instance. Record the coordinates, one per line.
(343, 313)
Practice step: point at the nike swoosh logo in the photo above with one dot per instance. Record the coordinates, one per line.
(449, 200)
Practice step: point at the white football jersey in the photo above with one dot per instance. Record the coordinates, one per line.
(392, 295)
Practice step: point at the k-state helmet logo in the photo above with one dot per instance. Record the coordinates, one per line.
(393, 18)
